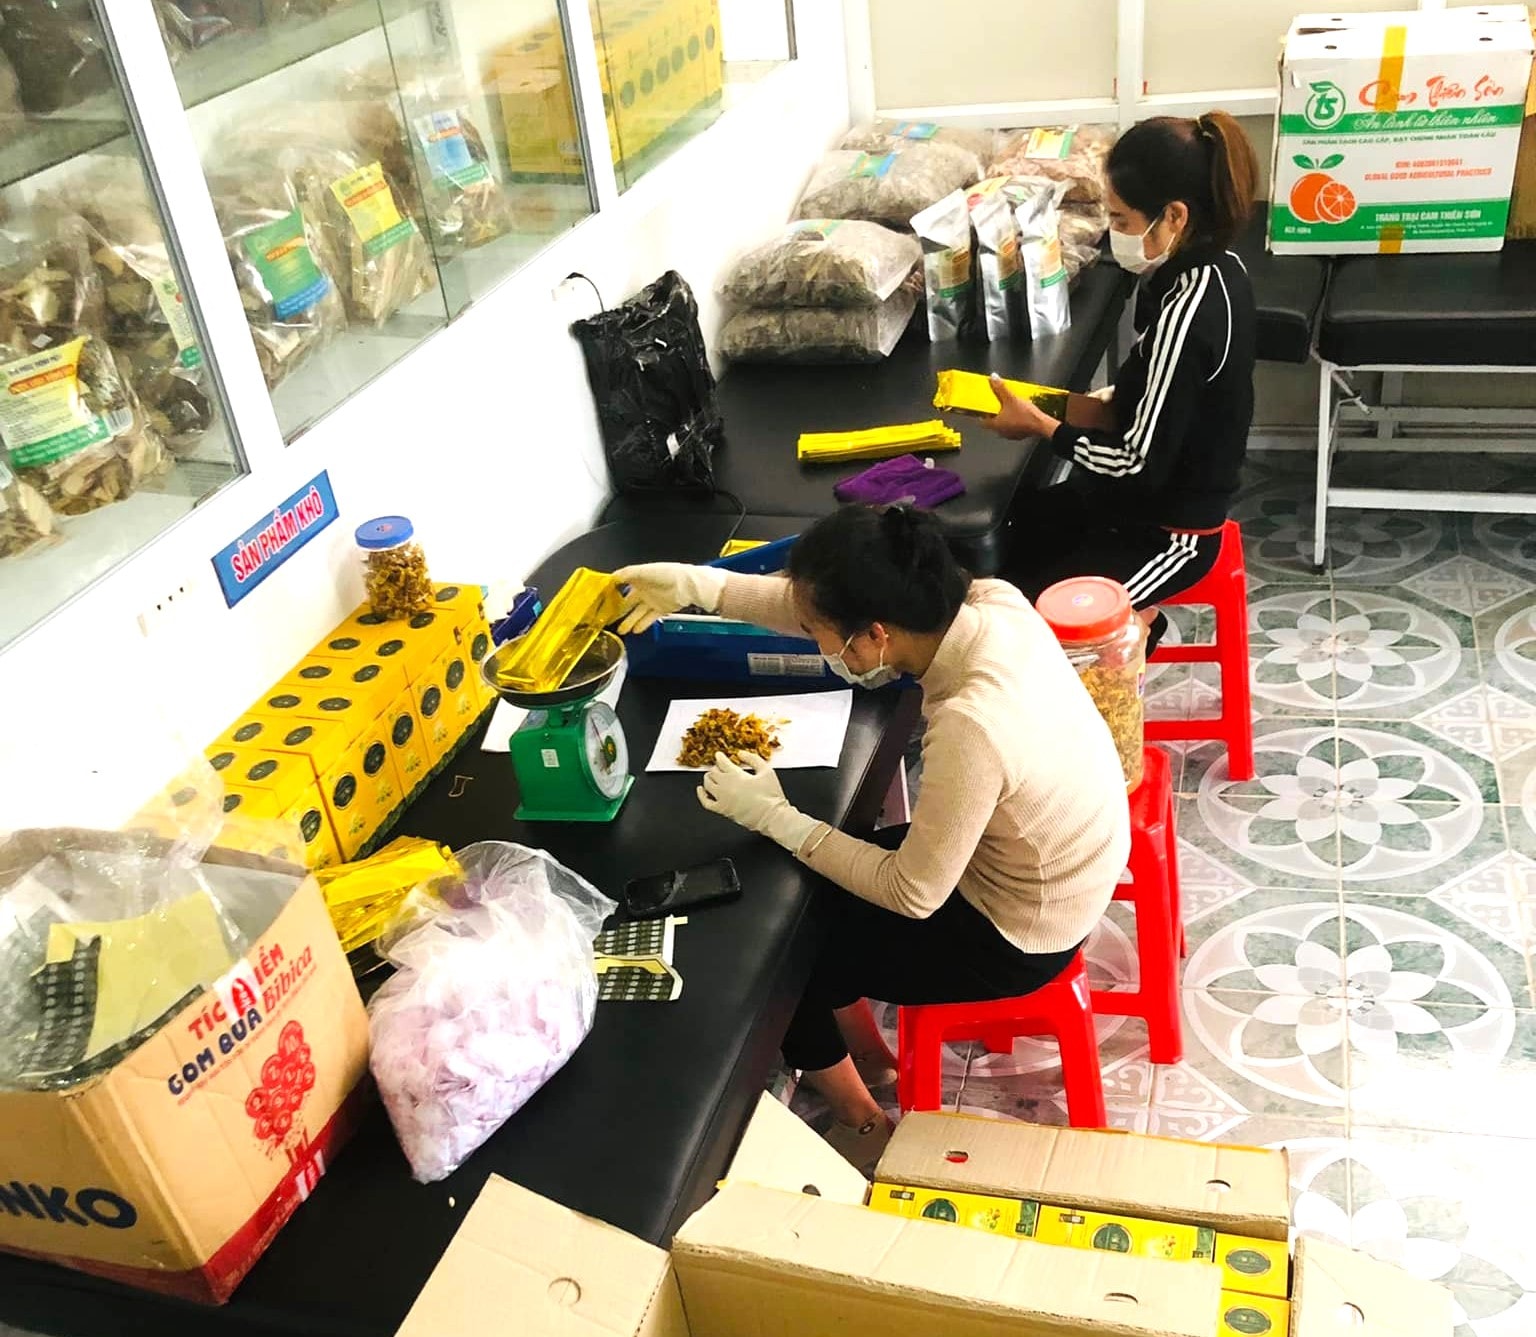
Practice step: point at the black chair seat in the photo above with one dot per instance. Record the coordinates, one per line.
(1433, 310)
(1287, 290)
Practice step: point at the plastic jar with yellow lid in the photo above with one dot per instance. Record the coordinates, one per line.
(1106, 642)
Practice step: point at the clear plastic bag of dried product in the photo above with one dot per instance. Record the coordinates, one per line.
(881, 136)
(999, 265)
(824, 262)
(26, 519)
(191, 24)
(1082, 235)
(57, 51)
(106, 935)
(494, 991)
(949, 268)
(291, 301)
(884, 187)
(1075, 154)
(69, 420)
(436, 155)
(378, 255)
(147, 322)
(818, 334)
(11, 111)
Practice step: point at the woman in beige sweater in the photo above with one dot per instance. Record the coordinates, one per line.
(1020, 831)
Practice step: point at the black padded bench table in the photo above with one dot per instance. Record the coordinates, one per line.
(640, 1124)
(1424, 314)
(766, 407)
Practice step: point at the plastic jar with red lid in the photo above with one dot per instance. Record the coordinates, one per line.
(1106, 642)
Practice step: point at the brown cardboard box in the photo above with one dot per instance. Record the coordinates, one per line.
(1522, 204)
(786, 1250)
(1235, 1190)
(155, 1174)
(558, 1272)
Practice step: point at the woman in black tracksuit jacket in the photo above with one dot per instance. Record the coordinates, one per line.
(1154, 476)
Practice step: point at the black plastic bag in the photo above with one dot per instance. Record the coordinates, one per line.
(654, 390)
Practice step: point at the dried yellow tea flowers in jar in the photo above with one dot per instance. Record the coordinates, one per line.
(394, 568)
(1106, 643)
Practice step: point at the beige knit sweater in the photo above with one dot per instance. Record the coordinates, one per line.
(1022, 806)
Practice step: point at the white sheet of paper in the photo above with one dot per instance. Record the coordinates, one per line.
(811, 727)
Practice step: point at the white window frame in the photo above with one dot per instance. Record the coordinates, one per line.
(1128, 103)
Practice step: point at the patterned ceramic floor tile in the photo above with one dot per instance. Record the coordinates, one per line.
(1390, 847)
(1467, 584)
(1435, 1206)
(1394, 944)
(1282, 826)
(1293, 650)
(1504, 541)
(1403, 762)
(1259, 1053)
(1368, 548)
(1270, 940)
(1506, 642)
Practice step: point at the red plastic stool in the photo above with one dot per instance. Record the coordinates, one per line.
(1225, 589)
(1154, 891)
(1062, 1008)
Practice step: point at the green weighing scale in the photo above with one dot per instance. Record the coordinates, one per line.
(569, 755)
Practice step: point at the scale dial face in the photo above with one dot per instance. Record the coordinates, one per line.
(605, 749)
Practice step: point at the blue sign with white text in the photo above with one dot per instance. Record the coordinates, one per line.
(272, 540)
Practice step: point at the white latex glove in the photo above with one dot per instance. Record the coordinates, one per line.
(659, 588)
(751, 796)
(1104, 396)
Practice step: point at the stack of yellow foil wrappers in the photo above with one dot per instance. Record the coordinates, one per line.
(363, 897)
(876, 443)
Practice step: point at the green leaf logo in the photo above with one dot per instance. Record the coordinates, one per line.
(1331, 161)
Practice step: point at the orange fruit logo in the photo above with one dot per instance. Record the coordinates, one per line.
(1336, 202)
(1316, 197)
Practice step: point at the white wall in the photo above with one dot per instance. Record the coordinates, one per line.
(485, 435)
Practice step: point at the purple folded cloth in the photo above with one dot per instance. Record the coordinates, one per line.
(905, 479)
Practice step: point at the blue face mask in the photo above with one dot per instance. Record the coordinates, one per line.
(878, 676)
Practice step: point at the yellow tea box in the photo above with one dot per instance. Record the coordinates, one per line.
(980, 1211)
(434, 716)
(362, 676)
(462, 701)
(1252, 1316)
(1125, 1234)
(413, 643)
(1254, 1267)
(255, 817)
(408, 742)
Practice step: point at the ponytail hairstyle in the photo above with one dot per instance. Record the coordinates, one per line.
(861, 565)
(1207, 162)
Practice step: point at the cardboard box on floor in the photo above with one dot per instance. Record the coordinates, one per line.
(786, 1249)
(159, 1173)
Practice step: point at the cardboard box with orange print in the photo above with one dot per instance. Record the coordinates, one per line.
(1398, 132)
(174, 1169)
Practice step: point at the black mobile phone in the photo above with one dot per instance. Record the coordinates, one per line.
(683, 889)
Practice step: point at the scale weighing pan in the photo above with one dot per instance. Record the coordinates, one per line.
(588, 676)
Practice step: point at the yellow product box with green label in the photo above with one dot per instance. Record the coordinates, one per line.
(1252, 1316)
(1254, 1267)
(273, 787)
(1076, 1229)
(465, 609)
(980, 1211)
(383, 691)
(362, 787)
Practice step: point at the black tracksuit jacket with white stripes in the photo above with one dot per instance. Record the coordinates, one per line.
(1183, 400)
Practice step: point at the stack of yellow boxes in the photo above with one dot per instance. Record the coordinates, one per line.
(659, 62)
(1255, 1273)
(349, 735)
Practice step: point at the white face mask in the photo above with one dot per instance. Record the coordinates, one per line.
(878, 676)
(1130, 251)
